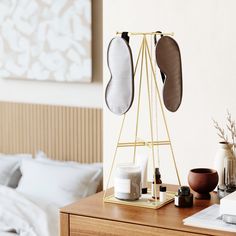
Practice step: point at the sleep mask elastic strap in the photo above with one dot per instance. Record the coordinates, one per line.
(155, 43)
(125, 36)
(155, 37)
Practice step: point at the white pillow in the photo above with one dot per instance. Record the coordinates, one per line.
(98, 166)
(10, 169)
(56, 184)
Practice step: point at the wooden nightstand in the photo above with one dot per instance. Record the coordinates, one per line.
(90, 216)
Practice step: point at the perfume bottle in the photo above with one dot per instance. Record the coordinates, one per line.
(158, 184)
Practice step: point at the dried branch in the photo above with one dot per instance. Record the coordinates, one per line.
(221, 131)
(231, 128)
(223, 136)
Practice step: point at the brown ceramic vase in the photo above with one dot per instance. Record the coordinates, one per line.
(202, 181)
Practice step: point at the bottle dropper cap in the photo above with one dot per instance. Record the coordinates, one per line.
(157, 173)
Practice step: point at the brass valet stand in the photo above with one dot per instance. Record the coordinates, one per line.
(144, 55)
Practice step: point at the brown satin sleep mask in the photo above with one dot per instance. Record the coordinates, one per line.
(168, 59)
(119, 92)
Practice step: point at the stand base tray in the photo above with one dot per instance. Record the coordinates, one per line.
(145, 201)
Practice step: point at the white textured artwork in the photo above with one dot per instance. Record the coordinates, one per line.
(46, 40)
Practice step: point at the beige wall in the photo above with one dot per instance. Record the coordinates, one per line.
(206, 35)
(76, 94)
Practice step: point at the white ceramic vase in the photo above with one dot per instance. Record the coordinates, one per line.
(224, 150)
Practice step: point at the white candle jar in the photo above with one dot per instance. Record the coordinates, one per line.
(127, 185)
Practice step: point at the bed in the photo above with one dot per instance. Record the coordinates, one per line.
(50, 156)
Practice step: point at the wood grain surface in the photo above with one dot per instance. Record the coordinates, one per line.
(63, 133)
(64, 224)
(169, 217)
(86, 226)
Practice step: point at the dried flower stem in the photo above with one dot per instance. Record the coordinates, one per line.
(221, 131)
(231, 128)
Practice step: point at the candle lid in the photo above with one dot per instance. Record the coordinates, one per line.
(184, 191)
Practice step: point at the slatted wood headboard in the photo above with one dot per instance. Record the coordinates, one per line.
(63, 133)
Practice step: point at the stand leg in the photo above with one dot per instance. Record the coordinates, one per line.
(150, 116)
(163, 114)
(114, 157)
(139, 98)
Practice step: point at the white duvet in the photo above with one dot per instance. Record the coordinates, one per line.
(20, 216)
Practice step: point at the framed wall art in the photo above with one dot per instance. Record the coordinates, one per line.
(46, 40)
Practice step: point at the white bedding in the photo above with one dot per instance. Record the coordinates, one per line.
(32, 209)
(25, 218)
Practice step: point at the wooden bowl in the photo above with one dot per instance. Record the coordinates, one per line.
(203, 181)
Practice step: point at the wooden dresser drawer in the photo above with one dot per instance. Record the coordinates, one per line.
(86, 226)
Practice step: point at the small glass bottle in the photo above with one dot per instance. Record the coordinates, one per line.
(162, 193)
(230, 172)
(184, 198)
(228, 183)
(158, 183)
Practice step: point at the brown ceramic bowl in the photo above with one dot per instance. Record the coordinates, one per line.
(202, 181)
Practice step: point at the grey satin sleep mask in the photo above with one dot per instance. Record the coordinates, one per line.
(119, 92)
(169, 62)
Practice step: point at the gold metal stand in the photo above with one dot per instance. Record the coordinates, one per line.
(149, 33)
(144, 55)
